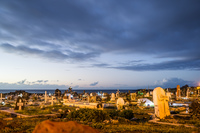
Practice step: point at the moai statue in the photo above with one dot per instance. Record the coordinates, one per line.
(112, 97)
(133, 96)
(161, 104)
(178, 92)
(120, 103)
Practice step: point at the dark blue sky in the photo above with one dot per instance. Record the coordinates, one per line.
(99, 44)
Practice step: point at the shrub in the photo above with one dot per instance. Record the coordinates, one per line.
(195, 106)
(128, 114)
(90, 115)
(98, 125)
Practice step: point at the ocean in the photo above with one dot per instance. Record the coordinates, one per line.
(62, 91)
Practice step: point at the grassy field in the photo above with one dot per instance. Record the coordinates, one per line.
(97, 118)
(28, 125)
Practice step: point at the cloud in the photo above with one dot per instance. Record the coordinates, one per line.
(25, 86)
(186, 64)
(21, 82)
(53, 54)
(173, 82)
(94, 84)
(71, 30)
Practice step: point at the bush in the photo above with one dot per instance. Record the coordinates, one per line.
(128, 114)
(89, 115)
(113, 114)
(195, 106)
(97, 125)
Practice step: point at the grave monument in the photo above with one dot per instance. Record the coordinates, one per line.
(161, 104)
(120, 103)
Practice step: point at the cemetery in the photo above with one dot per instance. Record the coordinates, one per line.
(157, 110)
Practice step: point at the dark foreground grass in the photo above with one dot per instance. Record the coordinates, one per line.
(27, 126)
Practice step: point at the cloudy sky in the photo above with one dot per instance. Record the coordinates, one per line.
(102, 44)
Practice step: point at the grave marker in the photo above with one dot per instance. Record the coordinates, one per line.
(161, 104)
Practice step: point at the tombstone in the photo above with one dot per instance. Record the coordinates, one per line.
(120, 103)
(45, 97)
(19, 103)
(178, 92)
(133, 96)
(188, 93)
(168, 94)
(161, 104)
(117, 93)
(57, 93)
(1, 98)
(69, 97)
(93, 99)
(112, 97)
(147, 94)
(52, 100)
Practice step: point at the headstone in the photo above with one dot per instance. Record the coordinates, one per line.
(112, 97)
(178, 92)
(20, 104)
(57, 93)
(45, 97)
(1, 99)
(161, 104)
(188, 93)
(93, 99)
(168, 94)
(147, 94)
(52, 100)
(133, 96)
(69, 97)
(120, 103)
(117, 93)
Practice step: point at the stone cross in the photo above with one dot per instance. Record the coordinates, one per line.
(112, 97)
(161, 104)
(20, 104)
(120, 103)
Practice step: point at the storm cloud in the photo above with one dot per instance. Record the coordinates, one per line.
(82, 30)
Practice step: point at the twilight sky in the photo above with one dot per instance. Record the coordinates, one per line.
(106, 44)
